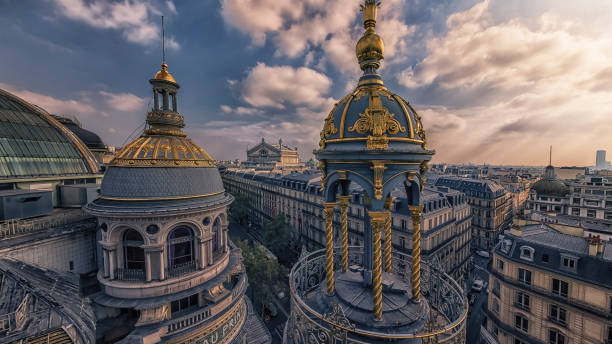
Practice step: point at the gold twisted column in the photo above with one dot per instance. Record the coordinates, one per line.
(377, 220)
(388, 242)
(416, 251)
(344, 203)
(388, 238)
(329, 245)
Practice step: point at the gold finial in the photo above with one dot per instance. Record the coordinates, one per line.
(369, 14)
(163, 74)
(370, 49)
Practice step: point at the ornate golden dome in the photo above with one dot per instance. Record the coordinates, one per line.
(163, 74)
(163, 151)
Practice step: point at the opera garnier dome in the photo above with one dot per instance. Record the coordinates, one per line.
(371, 294)
(168, 273)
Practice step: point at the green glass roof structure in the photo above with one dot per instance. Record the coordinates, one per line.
(33, 144)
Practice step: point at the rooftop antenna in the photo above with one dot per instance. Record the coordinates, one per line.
(163, 41)
(550, 157)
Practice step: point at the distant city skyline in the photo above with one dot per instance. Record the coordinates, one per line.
(495, 82)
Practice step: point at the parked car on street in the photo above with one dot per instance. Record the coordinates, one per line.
(483, 254)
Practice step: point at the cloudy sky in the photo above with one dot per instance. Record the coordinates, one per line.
(495, 81)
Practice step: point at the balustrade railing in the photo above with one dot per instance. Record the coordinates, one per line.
(182, 269)
(17, 227)
(204, 314)
(129, 274)
(446, 299)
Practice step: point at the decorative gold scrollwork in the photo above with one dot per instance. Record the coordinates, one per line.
(379, 168)
(378, 121)
(322, 166)
(423, 169)
(329, 128)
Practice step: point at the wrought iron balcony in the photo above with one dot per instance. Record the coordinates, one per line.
(129, 274)
(182, 269)
(445, 298)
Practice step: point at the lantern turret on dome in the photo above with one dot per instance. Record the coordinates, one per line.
(163, 236)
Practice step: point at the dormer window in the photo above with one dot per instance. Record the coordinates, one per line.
(505, 247)
(527, 253)
(569, 262)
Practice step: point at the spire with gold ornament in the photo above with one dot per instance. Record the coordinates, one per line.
(372, 140)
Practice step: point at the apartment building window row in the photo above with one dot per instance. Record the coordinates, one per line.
(560, 288)
(524, 276)
(558, 314)
(522, 300)
(555, 337)
(521, 322)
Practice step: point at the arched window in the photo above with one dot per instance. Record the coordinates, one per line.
(132, 250)
(180, 247)
(216, 239)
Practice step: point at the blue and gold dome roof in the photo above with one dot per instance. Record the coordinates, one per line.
(162, 166)
(372, 117)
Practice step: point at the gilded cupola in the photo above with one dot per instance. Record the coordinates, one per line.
(163, 163)
(163, 74)
(163, 142)
(371, 117)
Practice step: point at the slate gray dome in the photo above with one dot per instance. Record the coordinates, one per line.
(549, 185)
(34, 144)
(91, 139)
(163, 165)
(153, 183)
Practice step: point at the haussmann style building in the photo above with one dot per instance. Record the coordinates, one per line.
(446, 220)
(550, 284)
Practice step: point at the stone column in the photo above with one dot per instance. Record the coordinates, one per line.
(203, 253)
(112, 262)
(416, 251)
(377, 222)
(329, 245)
(224, 236)
(209, 252)
(162, 266)
(148, 265)
(155, 100)
(106, 263)
(344, 203)
(174, 102)
(165, 98)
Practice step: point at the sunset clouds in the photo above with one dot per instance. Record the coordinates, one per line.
(494, 81)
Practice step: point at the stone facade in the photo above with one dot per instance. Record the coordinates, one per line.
(589, 199)
(273, 157)
(550, 287)
(492, 207)
(446, 224)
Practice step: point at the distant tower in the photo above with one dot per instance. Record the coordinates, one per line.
(374, 139)
(600, 160)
